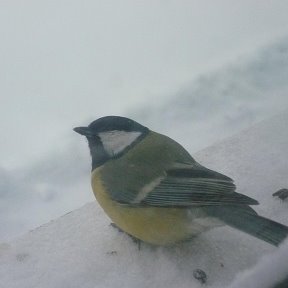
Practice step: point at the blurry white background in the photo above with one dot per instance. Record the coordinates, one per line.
(198, 71)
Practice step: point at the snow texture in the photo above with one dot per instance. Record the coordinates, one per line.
(215, 106)
(81, 249)
(262, 276)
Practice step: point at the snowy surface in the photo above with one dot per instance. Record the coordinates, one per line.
(215, 106)
(81, 249)
(262, 276)
(221, 103)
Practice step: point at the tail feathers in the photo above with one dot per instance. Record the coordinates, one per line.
(248, 221)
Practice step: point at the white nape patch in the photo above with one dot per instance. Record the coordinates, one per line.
(115, 142)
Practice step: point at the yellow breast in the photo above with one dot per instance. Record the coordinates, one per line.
(155, 225)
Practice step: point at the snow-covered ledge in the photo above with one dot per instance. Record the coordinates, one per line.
(81, 249)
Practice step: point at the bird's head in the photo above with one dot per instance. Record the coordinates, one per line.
(110, 137)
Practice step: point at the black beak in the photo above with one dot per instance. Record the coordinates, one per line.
(83, 131)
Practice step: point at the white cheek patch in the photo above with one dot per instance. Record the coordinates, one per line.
(115, 142)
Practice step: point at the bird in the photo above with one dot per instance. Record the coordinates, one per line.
(156, 192)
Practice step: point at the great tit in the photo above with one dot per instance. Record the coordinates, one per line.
(153, 189)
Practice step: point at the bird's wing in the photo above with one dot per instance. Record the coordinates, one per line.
(190, 185)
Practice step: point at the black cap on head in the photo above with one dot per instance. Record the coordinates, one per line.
(116, 123)
(111, 123)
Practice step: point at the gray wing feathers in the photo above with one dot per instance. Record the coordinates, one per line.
(195, 186)
(189, 192)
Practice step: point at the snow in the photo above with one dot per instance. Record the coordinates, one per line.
(81, 249)
(212, 107)
(219, 104)
(262, 276)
